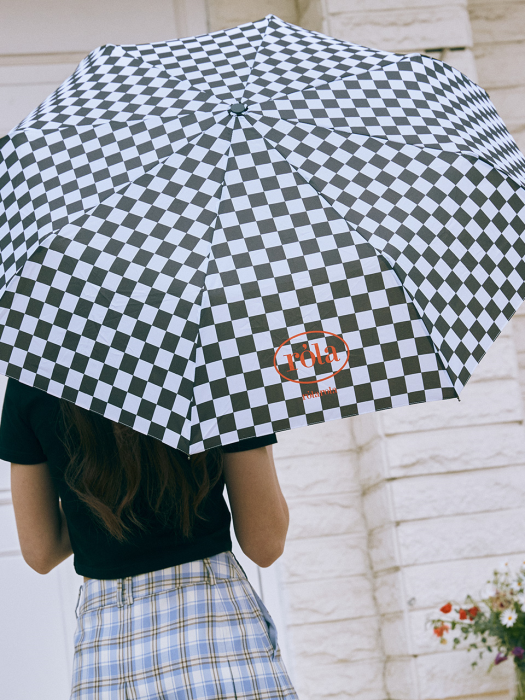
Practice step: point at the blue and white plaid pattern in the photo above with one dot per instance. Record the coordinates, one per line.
(190, 632)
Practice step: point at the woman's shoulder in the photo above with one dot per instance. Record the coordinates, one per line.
(250, 443)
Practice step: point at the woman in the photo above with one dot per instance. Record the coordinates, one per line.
(165, 610)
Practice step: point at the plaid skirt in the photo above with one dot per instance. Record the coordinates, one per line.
(196, 631)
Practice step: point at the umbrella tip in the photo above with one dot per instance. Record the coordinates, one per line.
(238, 109)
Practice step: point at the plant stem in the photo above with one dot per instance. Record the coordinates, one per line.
(519, 690)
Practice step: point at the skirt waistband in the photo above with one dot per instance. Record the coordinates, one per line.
(97, 593)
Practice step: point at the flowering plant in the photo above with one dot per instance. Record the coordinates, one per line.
(494, 623)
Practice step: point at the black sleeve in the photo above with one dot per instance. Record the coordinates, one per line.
(18, 442)
(251, 443)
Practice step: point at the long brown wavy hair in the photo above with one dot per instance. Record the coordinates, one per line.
(120, 474)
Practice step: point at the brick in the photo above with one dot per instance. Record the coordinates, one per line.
(494, 22)
(401, 679)
(405, 29)
(342, 6)
(500, 362)
(518, 328)
(325, 557)
(444, 539)
(362, 680)
(340, 642)
(383, 549)
(327, 515)
(452, 494)
(310, 15)
(373, 466)
(456, 449)
(332, 599)
(378, 506)
(394, 635)
(316, 474)
(462, 61)
(475, 3)
(191, 18)
(389, 595)
(510, 104)
(432, 585)
(223, 14)
(518, 133)
(445, 675)
(366, 429)
(450, 675)
(481, 403)
(500, 64)
(333, 436)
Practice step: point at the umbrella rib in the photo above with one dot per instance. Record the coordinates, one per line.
(345, 76)
(341, 77)
(122, 124)
(515, 177)
(268, 19)
(163, 73)
(120, 189)
(319, 82)
(213, 227)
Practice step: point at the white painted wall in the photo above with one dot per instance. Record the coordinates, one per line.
(36, 613)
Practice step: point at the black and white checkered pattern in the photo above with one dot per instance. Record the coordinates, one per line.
(170, 265)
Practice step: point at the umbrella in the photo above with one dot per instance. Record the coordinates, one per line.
(256, 229)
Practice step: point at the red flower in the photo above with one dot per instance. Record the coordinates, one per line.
(472, 612)
(462, 614)
(440, 631)
(446, 608)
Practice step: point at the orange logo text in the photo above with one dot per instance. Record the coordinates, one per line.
(311, 357)
(316, 394)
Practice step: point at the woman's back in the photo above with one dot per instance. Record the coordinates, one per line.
(33, 431)
(163, 613)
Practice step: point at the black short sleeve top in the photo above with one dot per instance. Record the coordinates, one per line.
(31, 432)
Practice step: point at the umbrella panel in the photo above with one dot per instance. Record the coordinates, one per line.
(165, 308)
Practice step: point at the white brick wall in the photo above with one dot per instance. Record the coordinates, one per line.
(442, 484)
(403, 26)
(229, 13)
(443, 503)
(499, 37)
(332, 615)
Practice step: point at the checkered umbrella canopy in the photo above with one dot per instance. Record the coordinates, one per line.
(220, 237)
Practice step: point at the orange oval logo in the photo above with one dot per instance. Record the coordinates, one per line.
(309, 357)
